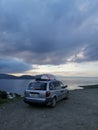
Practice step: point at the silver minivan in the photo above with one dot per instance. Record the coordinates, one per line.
(45, 91)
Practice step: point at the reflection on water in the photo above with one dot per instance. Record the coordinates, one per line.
(75, 82)
(73, 87)
(18, 86)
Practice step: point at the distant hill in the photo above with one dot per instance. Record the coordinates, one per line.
(7, 76)
(26, 77)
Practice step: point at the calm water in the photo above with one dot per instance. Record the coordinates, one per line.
(74, 83)
(14, 85)
(18, 86)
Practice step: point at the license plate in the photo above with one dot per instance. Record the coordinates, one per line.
(34, 95)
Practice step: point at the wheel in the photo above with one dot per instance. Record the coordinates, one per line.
(53, 103)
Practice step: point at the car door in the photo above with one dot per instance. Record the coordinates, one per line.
(63, 91)
(57, 89)
(53, 86)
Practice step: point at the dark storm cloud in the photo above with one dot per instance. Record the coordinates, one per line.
(91, 52)
(49, 31)
(13, 66)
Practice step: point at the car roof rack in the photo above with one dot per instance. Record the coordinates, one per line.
(45, 77)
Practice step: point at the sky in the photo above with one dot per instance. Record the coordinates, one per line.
(49, 36)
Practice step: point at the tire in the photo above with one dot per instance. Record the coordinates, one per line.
(53, 103)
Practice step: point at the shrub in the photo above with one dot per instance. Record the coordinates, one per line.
(3, 94)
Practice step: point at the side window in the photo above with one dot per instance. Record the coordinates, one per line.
(56, 85)
(62, 85)
(51, 86)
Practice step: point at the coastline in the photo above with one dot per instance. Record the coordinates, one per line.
(95, 86)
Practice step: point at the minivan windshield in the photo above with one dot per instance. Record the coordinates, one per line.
(37, 86)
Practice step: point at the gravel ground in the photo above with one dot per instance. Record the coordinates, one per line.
(79, 112)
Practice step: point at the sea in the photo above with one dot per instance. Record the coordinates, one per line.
(19, 85)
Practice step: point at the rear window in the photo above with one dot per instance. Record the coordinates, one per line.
(37, 86)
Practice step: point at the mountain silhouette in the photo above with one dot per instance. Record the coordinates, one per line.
(7, 76)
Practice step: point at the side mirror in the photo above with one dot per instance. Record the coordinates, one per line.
(65, 86)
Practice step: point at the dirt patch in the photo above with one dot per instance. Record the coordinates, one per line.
(79, 112)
